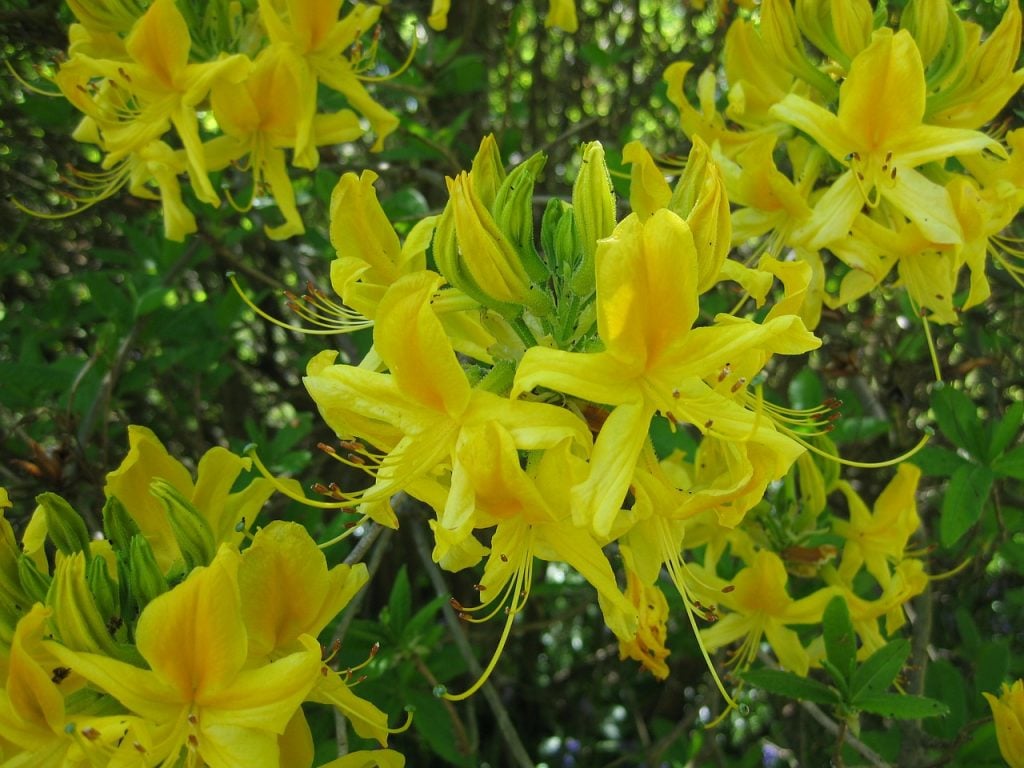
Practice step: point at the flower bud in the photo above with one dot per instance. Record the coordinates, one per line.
(928, 21)
(513, 212)
(648, 190)
(192, 532)
(487, 171)
(782, 39)
(145, 579)
(838, 28)
(64, 526)
(33, 583)
(77, 621)
(593, 204)
(701, 200)
(118, 525)
(104, 589)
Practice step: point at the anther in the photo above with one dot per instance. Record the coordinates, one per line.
(708, 423)
(137, 746)
(329, 449)
(675, 393)
(740, 383)
(479, 587)
(892, 173)
(193, 740)
(90, 733)
(724, 373)
(455, 604)
(60, 674)
(504, 557)
(374, 649)
(193, 718)
(729, 588)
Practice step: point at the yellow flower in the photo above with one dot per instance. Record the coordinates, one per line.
(878, 539)
(210, 493)
(416, 413)
(759, 606)
(878, 134)
(562, 14)
(198, 693)
(1008, 713)
(654, 360)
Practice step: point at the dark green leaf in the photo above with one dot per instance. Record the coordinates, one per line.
(880, 669)
(992, 666)
(902, 706)
(936, 461)
(1008, 428)
(792, 686)
(945, 683)
(1011, 463)
(965, 498)
(958, 419)
(805, 390)
(399, 603)
(840, 639)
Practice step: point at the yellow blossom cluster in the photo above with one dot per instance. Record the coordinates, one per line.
(175, 638)
(849, 133)
(170, 89)
(513, 391)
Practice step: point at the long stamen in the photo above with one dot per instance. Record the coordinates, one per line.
(250, 452)
(342, 326)
(405, 65)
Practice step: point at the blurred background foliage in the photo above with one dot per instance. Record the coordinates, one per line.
(103, 324)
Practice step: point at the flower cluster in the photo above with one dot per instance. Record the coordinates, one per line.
(193, 88)
(513, 390)
(167, 641)
(842, 134)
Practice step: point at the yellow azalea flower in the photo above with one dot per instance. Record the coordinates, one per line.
(379, 758)
(878, 134)
(425, 401)
(876, 539)
(529, 510)
(210, 493)
(283, 561)
(759, 606)
(648, 645)
(562, 14)
(312, 32)
(370, 257)
(907, 581)
(164, 87)
(654, 360)
(985, 81)
(259, 118)
(1008, 713)
(35, 728)
(198, 693)
(756, 81)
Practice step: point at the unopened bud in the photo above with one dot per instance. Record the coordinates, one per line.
(118, 525)
(64, 525)
(593, 204)
(191, 530)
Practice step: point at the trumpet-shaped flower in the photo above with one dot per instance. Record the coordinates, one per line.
(1008, 713)
(878, 134)
(877, 539)
(654, 360)
(198, 694)
(421, 406)
(210, 493)
(760, 606)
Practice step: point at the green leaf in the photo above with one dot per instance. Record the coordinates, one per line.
(151, 300)
(936, 461)
(902, 706)
(958, 419)
(1011, 463)
(993, 665)
(805, 390)
(877, 673)
(840, 640)
(945, 683)
(399, 603)
(1007, 429)
(965, 498)
(791, 686)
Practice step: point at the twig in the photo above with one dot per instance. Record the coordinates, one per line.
(508, 731)
(376, 532)
(852, 741)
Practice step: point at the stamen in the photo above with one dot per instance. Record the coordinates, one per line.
(345, 320)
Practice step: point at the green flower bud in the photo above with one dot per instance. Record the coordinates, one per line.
(118, 525)
(559, 239)
(593, 204)
(145, 580)
(64, 526)
(32, 583)
(782, 38)
(513, 212)
(928, 22)
(838, 28)
(104, 589)
(191, 531)
(76, 620)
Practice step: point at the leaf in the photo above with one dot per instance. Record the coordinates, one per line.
(876, 674)
(805, 390)
(1011, 463)
(958, 419)
(901, 706)
(840, 640)
(992, 666)
(945, 683)
(791, 686)
(936, 461)
(399, 603)
(1007, 429)
(965, 498)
